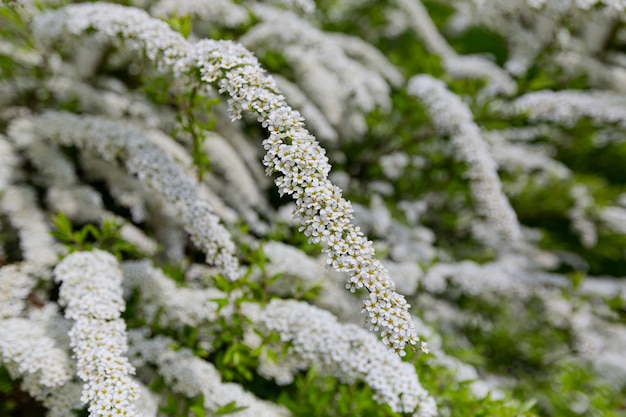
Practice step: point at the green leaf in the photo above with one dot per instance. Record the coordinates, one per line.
(181, 24)
(221, 303)
(62, 224)
(197, 407)
(229, 408)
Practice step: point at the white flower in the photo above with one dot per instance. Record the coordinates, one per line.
(193, 376)
(26, 349)
(345, 351)
(452, 117)
(162, 298)
(291, 150)
(15, 285)
(156, 169)
(91, 292)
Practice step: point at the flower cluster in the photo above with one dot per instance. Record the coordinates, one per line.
(569, 106)
(323, 214)
(186, 373)
(451, 117)
(291, 150)
(463, 67)
(91, 292)
(346, 351)
(572, 31)
(15, 285)
(154, 168)
(162, 300)
(27, 351)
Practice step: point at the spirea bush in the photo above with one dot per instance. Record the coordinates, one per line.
(296, 208)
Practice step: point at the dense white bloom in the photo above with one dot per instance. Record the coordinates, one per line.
(457, 66)
(91, 286)
(569, 106)
(345, 351)
(91, 292)
(578, 214)
(291, 150)
(319, 60)
(15, 285)
(192, 376)
(161, 297)
(26, 349)
(153, 167)
(452, 117)
(218, 13)
(19, 204)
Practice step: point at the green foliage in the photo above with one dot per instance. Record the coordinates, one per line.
(480, 40)
(106, 237)
(195, 118)
(313, 395)
(230, 408)
(181, 24)
(533, 355)
(177, 405)
(13, 401)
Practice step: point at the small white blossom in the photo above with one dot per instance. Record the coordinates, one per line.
(161, 297)
(154, 168)
(452, 117)
(291, 150)
(345, 351)
(91, 292)
(193, 376)
(15, 285)
(26, 349)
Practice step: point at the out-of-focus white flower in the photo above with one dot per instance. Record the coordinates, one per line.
(161, 298)
(579, 216)
(153, 167)
(343, 76)
(568, 107)
(193, 376)
(345, 351)
(26, 349)
(452, 117)
(91, 293)
(393, 164)
(217, 13)
(19, 204)
(458, 66)
(15, 285)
